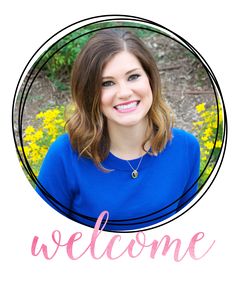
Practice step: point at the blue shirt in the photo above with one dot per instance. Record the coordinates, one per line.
(74, 186)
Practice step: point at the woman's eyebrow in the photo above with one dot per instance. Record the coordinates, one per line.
(127, 73)
(132, 70)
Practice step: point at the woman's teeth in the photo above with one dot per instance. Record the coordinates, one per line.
(128, 106)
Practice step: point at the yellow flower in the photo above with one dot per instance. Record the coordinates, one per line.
(218, 144)
(208, 170)
(214, 125)
(43, 151)
(34, 146)
(209, 145)
(35, 158)
(40, 115)
(204, 138)
(50, 124)
(208, 132)
(200, 107)
(29, 130)
(199, 123)
(50, 115)
(220, 116)
(27, 151)
(38, 135)
(60, 122)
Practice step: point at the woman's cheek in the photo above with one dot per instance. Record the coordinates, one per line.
(107, 97)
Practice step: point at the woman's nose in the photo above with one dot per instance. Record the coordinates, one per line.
(124, 90)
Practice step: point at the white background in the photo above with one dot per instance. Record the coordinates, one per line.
(25, 25)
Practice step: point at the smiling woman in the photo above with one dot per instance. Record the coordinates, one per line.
(121, 153)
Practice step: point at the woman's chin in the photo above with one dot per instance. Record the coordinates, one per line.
(131, 122)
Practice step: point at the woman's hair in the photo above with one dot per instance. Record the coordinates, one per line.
(87, 127)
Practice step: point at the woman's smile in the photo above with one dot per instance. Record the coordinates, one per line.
(127, 107)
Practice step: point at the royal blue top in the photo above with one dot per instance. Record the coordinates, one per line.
(74, 186)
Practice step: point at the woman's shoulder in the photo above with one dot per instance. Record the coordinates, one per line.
(62, 140)
(61, 145)
(181, 136)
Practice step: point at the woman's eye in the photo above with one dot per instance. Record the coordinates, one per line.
(134, 77)
(107, 84)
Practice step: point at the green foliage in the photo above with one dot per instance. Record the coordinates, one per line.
(209, 131)
(57, 61)
(38, 137)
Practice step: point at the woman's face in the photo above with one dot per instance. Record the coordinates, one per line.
(126, 95)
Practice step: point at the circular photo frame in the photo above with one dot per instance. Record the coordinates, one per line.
(188, 85)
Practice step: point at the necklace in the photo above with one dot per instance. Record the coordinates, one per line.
(134, 173)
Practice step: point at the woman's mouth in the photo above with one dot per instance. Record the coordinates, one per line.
(127, 107)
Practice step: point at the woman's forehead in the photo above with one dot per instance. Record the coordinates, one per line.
(122, 62)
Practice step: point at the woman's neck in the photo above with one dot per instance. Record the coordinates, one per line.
(126, 142)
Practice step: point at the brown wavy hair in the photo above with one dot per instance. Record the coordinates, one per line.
(87, 127)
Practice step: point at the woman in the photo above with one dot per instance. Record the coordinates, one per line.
(121, 153)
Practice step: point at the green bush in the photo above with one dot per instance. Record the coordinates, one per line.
(210, 134)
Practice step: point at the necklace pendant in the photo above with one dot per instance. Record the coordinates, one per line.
(134, 174)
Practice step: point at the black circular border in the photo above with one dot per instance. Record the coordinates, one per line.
(21, 109)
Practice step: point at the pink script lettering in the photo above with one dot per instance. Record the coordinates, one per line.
(133, 249)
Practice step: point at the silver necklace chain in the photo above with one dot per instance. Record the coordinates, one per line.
(134, 173)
